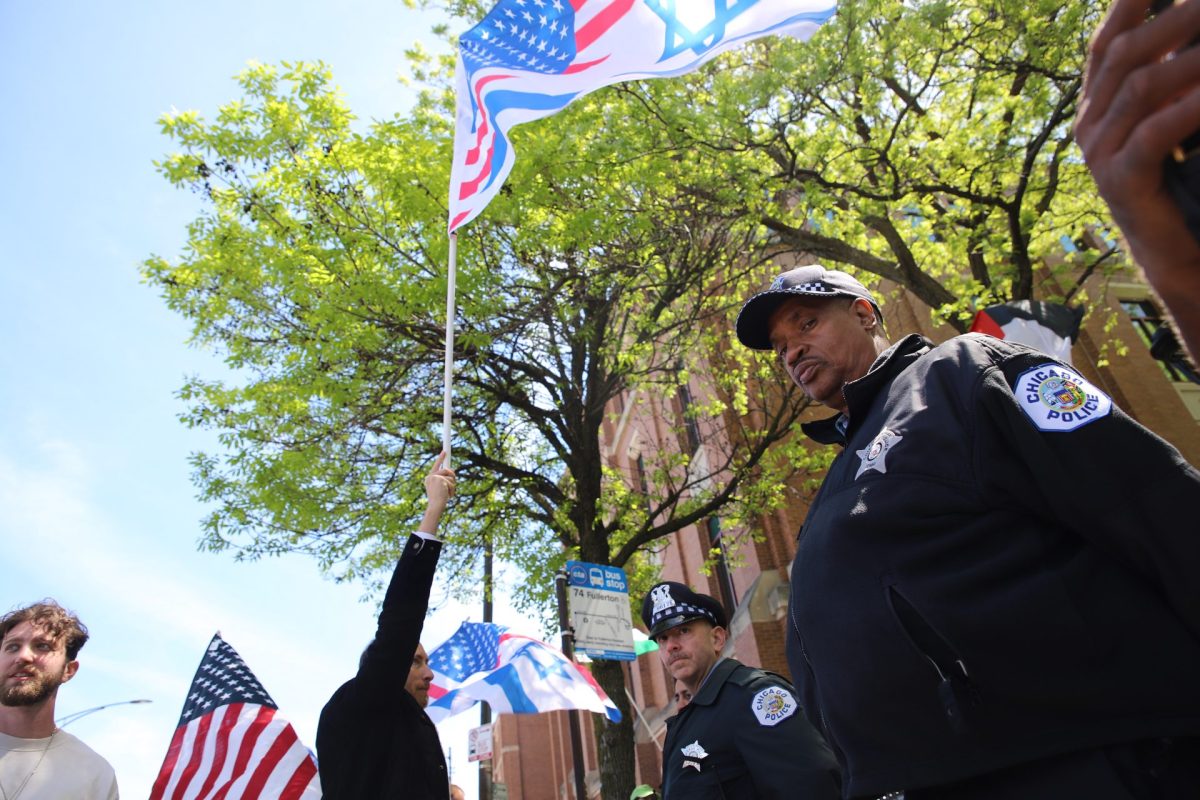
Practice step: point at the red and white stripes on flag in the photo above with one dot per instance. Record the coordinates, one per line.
(231, 743)
(529, 59)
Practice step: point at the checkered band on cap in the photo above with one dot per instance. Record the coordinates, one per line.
(669, 604)
(815, 287)
(683, 610)
(812, 280)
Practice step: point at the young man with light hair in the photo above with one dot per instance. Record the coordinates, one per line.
(38, 761)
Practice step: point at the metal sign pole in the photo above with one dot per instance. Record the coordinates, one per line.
(568, 648)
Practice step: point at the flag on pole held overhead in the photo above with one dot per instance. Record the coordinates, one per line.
(230, 742)
(530, 58)
(514, 674)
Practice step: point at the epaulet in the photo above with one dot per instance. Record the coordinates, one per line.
(750, 677)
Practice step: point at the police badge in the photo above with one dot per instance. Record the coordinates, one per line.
(872, 457)
(661, 595)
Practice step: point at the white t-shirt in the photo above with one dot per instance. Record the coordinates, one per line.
(67, 769)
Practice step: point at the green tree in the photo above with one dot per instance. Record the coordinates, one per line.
(316, 267)
(926, 143)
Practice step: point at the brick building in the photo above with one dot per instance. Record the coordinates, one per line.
(750, 574)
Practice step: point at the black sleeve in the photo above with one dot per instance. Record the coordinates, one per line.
(1100, 474)
(390, 655)
(789, 759)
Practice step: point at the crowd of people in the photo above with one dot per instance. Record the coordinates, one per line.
(993, 595)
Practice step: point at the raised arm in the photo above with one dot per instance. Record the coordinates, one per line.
(402, 616)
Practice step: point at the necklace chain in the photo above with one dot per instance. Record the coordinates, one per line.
(32, 772)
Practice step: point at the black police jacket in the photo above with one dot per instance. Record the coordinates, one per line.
(999, 566)
(374, 740)
(744, 736)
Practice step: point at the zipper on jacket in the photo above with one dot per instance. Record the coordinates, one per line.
(955, 689)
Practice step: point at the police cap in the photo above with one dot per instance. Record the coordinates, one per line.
(669, 604)
(813, 280)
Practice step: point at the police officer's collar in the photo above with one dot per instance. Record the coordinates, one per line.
(710, 687)
(859, 393)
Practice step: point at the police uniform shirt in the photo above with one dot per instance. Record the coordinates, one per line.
(744, 736)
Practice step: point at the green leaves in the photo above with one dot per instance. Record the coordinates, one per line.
(927, 144)
(316, 266)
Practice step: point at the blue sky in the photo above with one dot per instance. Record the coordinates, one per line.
(96, 506)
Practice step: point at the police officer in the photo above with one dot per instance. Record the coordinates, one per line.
(994, 594)
(743, 734)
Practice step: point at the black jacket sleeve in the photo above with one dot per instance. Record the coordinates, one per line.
(788, 759)
(1107, 478)
(401, 619)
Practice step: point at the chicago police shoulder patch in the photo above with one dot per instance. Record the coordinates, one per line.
(773, 705)
(1056, 398)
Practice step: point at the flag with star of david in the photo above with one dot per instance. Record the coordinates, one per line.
(514, 674)
(231, 742)
(528, 59)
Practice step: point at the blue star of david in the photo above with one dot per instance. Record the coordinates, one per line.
(680, 37)
(549, 666)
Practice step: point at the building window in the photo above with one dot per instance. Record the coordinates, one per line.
(1148, 319)
(691, 427)
(724, 580)
(1161, 340)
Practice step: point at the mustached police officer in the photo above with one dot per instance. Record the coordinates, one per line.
(743, 734)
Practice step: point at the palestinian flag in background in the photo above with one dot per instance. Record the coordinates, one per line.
(1049, 327)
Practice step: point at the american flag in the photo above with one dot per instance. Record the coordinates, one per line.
(230, 743)
(528, 59)
(513, 673)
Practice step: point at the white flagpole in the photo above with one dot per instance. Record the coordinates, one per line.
(642, 717)
(449, 369)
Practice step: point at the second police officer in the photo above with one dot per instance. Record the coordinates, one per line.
(743, 734)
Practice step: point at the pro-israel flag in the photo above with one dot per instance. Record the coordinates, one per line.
(515, 674)
(530, 58)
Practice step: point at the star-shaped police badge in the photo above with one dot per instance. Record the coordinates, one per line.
(693, 751)
(873, 455)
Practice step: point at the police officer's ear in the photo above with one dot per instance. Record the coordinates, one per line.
(865, 314)
(720, 637)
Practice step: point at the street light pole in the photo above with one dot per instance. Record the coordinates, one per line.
(69, 718)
